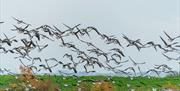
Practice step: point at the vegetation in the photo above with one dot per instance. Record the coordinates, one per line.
(90, 83)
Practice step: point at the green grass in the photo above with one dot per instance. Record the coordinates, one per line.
(138, 83)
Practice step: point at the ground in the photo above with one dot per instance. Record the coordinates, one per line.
(100, 83)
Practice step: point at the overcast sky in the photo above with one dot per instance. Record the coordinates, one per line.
(145, 19)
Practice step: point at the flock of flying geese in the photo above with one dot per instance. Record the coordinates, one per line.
(93, 57)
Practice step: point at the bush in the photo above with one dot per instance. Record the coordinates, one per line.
(27, 81)
(102, 86)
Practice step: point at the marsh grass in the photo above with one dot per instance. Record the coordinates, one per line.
(88, 83)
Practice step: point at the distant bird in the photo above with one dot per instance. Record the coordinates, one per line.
(71, 28)
(140, 71)
(76, 33)
(177, 45)
(105, 55)
(91, 28)
(95, 51)
(111, 67)
(44, 36)
(104, 36)
(9, 72)
(59, 31)
(135, 43)
(122, 71)
(70, 67)
(18, 50)
(28, 44)
(86, 70)
(135, 63)
(114, 59)
(1, 22)
(40, 47)
(35, 34)
(166, 44)
(84, 32)
(8, 40)
(20, 21)
(80, 31)
(62, 40)
(1, 70)
(82, 58)
(95, 60)
(47, 67)
(163, 67)
(152, 44)
(28, 64)
(47, 29)
(153, 70)
(6, 51)
(119, 51)
(79, 52)
(131, 68)
(21, 29)
(68, 56)
(92, 45)
(169, 58)
(115, 41)
(34, 67)
(171, 72)
(170, 38)
(70, 45)
(54, 59)
(37, 58)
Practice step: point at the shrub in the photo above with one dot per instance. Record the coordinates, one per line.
(102, 86)
(28, 81)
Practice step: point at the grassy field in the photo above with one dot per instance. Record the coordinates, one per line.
(88, 83)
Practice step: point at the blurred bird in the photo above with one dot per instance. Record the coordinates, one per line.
(1, 22)
(135, 63)
(170, 38)
(20, 21)
(9, 40)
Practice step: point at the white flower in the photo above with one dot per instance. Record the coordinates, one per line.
(154, 89)
(99, 83)
(132, 90)
(131, 78)
(33, 87)
(64, 78)
(78, 84)
(65, 85)
(109, 78)
(27, 89)
(79, 81)
(29, 85)
(113, 82)
(7, 89)
(128, 85)
(16, 77)
(79, 89)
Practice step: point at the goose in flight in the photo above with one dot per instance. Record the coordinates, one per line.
(170, 38)
(1, 22)
(20, 21)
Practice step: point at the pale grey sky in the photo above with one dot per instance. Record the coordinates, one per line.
(145, 19)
